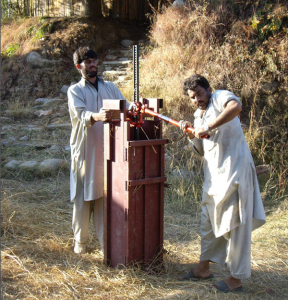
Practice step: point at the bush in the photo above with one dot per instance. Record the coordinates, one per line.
(234, 54)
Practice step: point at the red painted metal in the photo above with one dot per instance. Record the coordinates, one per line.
(139, 109)
(134, 188)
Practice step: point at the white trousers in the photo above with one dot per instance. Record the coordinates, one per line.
(82, 211)
(233, 248)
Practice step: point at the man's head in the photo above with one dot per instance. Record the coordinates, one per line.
(198, 89)
(85, 60)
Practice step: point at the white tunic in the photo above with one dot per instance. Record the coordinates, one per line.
(229, 171)
(87, 148)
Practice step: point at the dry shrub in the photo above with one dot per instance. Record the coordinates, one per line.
(232, 55)
(19, 28)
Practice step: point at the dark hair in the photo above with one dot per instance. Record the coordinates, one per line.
(191, 83)
(83, 53)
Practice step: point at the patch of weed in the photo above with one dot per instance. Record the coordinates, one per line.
(11, 49)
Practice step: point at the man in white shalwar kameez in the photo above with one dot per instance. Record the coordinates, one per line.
(231, 203)
(85, 100)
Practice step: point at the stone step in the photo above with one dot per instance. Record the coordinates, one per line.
(117, 63)
(116, 67)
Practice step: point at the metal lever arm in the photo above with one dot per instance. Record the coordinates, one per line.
(169, 120)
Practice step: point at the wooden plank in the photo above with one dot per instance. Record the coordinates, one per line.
(147, 181)
(142, 143)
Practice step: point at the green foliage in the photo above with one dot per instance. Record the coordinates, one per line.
(30, 30)
(11, 49)
(268, 20)
(46, 28)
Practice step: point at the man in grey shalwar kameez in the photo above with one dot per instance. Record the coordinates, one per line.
(87, 146)
(231, 202)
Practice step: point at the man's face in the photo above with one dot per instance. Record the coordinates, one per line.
(200, 97)
(88, 68)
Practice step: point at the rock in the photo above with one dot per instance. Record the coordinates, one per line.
(109, 56)
(270, 87)
(117, 63)
(262, 169)
(7, 127)
(36, 60)
(46, 100)
(30, 164)
(126, 53)
(52, 126)
(13, 164)
(55, 148)
(127, 43)
(64, 89)
(113, 74)
(43, 112)
(24, 138)
(39, 89)
(62, 95)
(182, 173)
(5, 120)
(178, 3)
(68, 148)
(51, 165)
(123, 58)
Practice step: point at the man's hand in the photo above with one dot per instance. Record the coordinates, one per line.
(103, 115)
(183, 125)
(201, 133)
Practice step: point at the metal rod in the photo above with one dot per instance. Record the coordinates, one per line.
(169, 120)
(136, 84)
(136, 72)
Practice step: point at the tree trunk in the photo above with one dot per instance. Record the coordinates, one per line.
(93, 8)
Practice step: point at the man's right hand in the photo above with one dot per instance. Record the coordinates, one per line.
(103, 115)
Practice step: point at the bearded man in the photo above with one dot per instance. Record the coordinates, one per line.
(85, 101)
(231, 202)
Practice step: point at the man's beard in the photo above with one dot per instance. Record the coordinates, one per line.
(90, 74)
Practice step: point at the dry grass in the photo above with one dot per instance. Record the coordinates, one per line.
(38, 262)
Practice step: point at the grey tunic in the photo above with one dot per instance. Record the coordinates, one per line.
(229, 171)
(87, 148)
